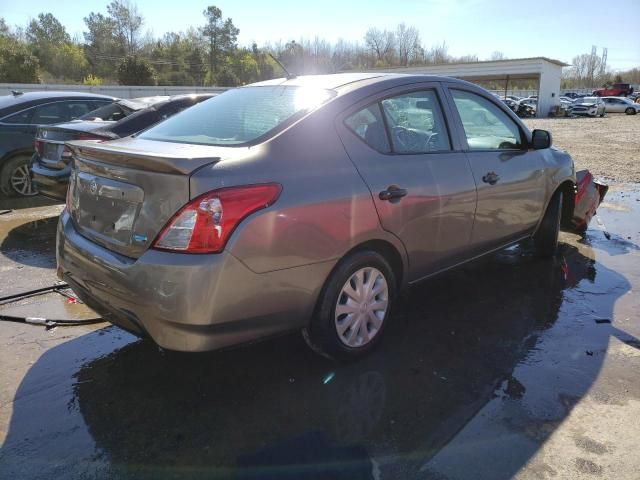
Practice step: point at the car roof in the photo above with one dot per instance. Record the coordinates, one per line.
(141, 103)
(338, 81)
(13, 103)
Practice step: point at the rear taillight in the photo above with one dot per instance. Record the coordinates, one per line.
(205, 224)
(88, 136)
(66, 153)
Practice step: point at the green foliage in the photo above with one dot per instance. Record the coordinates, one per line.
(92, 80)
(136, 71)
(221, 36)
(17, 64)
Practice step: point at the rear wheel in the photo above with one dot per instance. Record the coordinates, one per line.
(630, 111)
(545, 239)
(15, 178)
(354, 307)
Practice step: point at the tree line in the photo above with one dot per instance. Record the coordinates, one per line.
(115, 48)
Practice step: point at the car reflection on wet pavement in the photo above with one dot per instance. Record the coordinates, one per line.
(480, 367)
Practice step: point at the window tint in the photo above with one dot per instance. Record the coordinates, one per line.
(369, 126)
(238, 116)
(415, 122)
(486, 126)
(59, 112)
(23, 117)
(112, 111)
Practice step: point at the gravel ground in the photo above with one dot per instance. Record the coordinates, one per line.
(609, 146)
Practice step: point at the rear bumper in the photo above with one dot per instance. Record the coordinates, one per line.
(50, 183)
(187, 302)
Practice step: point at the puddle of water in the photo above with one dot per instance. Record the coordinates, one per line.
(482, 363)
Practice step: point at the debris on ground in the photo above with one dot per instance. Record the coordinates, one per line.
(589, 195)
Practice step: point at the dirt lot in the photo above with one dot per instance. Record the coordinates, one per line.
(609, 146)
(531, 373)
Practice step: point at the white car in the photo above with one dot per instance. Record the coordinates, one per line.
(589, 106)
(620, 105)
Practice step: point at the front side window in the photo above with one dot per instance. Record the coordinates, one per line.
(238, 116)
(485, 125)
(416, 123)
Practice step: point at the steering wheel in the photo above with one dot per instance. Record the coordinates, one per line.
(431, 143)
(409, 139)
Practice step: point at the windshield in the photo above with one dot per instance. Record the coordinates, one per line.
(238, 116)
(586, 100)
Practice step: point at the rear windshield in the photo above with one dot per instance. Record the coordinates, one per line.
(238, 116)
(112, 112)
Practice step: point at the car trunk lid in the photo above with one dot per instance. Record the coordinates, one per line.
(50, 141)
(123, 192)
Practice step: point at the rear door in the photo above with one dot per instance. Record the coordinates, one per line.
(509, 176)
(419, 178)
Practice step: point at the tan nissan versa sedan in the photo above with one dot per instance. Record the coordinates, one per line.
(304, 203)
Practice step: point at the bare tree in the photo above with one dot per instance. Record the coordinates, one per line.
(408, 41)
(438, 54)
(497, 55)
(381, 43)
(127, 23)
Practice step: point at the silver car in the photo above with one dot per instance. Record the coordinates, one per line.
(303, 204)
(620, 105)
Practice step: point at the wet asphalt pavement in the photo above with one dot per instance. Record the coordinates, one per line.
(510, 366)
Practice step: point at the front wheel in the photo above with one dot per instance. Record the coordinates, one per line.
(354, 307)
(545, 240)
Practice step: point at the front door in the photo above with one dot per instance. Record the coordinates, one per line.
(419, 179)
(509, 176)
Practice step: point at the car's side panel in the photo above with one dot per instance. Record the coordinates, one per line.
(435, 218)
(324, 210)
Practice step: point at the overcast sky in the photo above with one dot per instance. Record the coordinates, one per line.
(556, 29)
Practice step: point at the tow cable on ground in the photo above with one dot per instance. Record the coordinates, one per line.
(47, 322)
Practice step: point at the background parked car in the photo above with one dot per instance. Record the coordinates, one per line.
(615, 90)
(50, 164)
(589, 106)
(20, 116)
(620, 105)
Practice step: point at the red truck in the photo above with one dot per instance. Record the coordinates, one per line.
(615, 90)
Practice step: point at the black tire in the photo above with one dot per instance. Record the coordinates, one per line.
(7, 172)
(545, 240)
(630, 111)
(322, 333)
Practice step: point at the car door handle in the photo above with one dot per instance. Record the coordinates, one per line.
(392, 192)
(491, 178)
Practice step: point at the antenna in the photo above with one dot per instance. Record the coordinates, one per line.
(289, 76)
(603, 62)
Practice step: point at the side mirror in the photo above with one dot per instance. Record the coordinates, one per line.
(540, 139)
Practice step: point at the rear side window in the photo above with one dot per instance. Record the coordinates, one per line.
(59, 112)
(485, 125)
(416, 123)
(23, 117)
(369, 126)
(238, 116)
